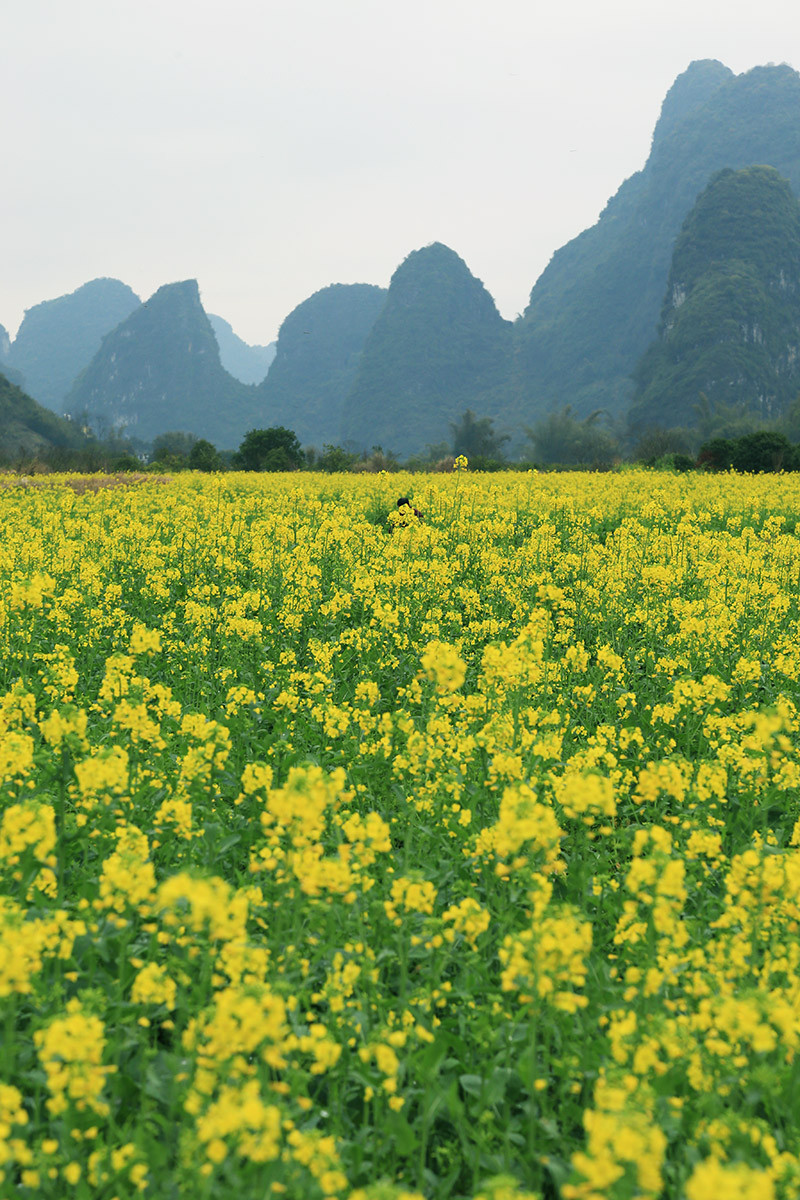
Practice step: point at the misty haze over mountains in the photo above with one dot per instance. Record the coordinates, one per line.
(363, 365)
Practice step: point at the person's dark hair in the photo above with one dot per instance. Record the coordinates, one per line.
(403, 500)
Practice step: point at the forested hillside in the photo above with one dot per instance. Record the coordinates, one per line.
(318, 353)
(27, 427)
(596, 307)
(360, 365)
(58, 338)
(730, 323)
(160, 370)
(438, 347)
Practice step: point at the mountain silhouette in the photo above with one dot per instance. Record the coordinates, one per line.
(318, 353)
(58, 338)
(596, 307)
(160, 370)
(438, 347)
(730, 323)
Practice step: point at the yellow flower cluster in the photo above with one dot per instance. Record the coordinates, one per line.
(71, 1051)
(463, 861)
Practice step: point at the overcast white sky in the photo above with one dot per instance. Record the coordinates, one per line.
(269, 149)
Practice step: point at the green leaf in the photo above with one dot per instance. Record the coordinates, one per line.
(472, 1084)
(405, 1138)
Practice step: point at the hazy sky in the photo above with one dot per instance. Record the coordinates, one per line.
(269, 149)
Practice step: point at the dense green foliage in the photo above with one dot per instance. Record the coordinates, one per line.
(731, 316)
(27, 427)
(58, 338)
(203, 456)
(562, 438)
(248, 364)
(333, 459)
(273, 449)
(161, 369)
(595, 308)
(180, 451)
(319, 348)
(764, 450)
(176, 443)
(439, 346)
(476, 437)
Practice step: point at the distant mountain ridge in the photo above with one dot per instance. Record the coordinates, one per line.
(160, 370)
(319, 349)
(57, 338)
(438, 347)
(362, 365)
(595, 308)
(248, 364)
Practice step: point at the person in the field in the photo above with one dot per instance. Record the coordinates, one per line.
(407, 514)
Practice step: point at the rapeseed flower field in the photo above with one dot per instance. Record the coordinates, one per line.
(459, 860)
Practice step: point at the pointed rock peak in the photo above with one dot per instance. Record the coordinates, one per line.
(435, 251)
(730, 316)
(186, 292)
(160, 369)
(175, 307)
(691, 89)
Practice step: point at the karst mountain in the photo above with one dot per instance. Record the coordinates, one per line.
(360, 365)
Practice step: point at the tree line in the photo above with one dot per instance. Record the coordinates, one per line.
(561, 440)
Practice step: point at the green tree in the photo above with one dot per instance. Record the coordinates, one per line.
(656, 443)
(335, 458)
(126, 463)
(717, 454)
(763, 451)
(476, 437)
(204, 456)
(274, 449)
(173, 447)
(564, 439)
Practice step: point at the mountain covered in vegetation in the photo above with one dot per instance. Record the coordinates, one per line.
(248, 364)
(363, 366)
(160, 370)
(438, 347)
(58, 338)
(730, 323)
(595, 308)
(27, 427)
(318, 354)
